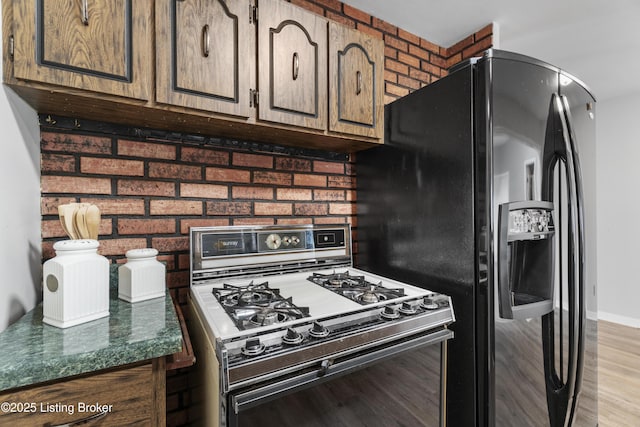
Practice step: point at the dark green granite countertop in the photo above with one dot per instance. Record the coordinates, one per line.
(32, 352)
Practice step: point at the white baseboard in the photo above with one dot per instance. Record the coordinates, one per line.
(616, 318)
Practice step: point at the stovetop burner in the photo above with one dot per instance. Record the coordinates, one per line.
(248, 295)
(256, 305)
(356, 288)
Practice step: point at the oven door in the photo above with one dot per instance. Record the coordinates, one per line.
(250, 398)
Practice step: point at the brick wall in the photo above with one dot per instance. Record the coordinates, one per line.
(151, 190)
(152, 186)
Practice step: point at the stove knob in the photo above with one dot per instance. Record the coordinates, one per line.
(407, 309)
(429, 303)
(292, 337)
(295, 240)
(318, 331)
(253, 347)
(390, 312)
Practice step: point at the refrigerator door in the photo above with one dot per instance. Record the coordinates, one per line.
(520, 95)
(539, 322)
(579, 109)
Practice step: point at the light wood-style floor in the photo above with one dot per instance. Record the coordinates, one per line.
(619, 375)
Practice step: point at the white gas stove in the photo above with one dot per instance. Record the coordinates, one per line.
(285, 308)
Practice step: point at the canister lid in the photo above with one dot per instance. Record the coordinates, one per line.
(75, 245)
(141, 253)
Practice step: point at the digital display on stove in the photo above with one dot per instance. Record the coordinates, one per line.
(227, 244)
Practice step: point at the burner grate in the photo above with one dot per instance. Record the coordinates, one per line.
(356, 288)
(255, 305)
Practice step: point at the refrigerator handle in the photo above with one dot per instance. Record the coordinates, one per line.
(577, 311)
(525, 259)
(562, 396)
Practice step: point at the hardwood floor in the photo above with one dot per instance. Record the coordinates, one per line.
(619, 375)
(370, 398)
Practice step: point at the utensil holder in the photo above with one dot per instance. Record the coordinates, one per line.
(76, 284)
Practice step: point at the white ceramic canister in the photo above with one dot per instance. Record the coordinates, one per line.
(76, 284)
(142, 277)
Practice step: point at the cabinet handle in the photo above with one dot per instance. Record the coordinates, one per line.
(85, 12)
(296, 65)
(205, 41)
(358, 82)
(85, 420)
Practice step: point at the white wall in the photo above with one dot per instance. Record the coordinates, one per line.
(618, 211)
(20, 253)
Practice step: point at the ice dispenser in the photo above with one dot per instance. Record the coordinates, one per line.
(526, 246)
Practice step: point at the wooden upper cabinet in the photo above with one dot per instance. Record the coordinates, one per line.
(205, 55)
(292, 65)
(356, 85)
(102, 46)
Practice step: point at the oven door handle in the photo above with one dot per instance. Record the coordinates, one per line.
(324, 367)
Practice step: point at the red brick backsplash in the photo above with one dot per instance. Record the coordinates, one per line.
(151, 188)
(150, 198)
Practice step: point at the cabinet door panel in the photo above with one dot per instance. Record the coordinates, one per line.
(292, 55)
(356, 98)
(125, 395)
(68, 43)
(99, 46)
(204, 54)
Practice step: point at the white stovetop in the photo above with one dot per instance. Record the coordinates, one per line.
(321, 302)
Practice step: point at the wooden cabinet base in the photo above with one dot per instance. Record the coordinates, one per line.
(82, 105)
(132, 395)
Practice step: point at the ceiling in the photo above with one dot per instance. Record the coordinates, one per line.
(598, 41)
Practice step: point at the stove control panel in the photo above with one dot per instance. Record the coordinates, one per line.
(218, 248)
(284, 241)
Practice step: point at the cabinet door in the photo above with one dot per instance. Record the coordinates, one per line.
(356, 91)
(115, 398)
(292, 65)
(205, 56)
(101, 46)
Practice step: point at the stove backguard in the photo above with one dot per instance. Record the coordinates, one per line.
(220, 252)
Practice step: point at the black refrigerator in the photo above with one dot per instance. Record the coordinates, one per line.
(479, 193)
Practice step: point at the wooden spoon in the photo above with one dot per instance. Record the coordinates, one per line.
(61, 209)
(92, 219)
(66, 218)
(73, 208)
(79, 220)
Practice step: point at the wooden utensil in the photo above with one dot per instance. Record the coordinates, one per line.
(92, 219)
(66, 218)
(80, 223)
(61, 210)
(71, 211)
